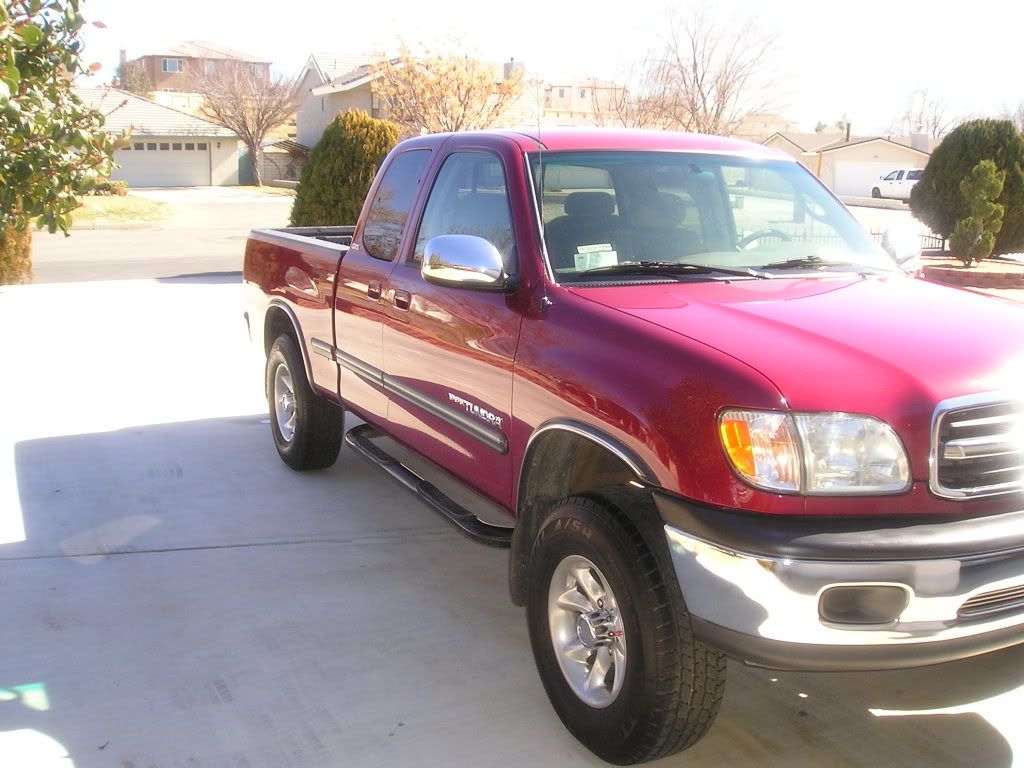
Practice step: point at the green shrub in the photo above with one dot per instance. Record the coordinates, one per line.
(104, 188)
(975, 235)
(340, 170)
(937, 199)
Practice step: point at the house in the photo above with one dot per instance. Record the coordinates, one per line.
(572, 103)
(173, 70)
(165, 147)
(850, 165)
(331, 83)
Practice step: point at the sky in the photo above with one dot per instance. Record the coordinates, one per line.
(859, 58)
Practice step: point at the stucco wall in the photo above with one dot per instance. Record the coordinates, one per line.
(316, 112)
(783, 145)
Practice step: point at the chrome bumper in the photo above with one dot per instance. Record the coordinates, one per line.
(766, 608)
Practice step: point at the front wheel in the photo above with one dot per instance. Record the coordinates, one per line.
(307, 429)
(611, 636)
(876, 192)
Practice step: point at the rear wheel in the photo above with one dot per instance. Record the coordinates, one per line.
(307, 429)
(611, 635)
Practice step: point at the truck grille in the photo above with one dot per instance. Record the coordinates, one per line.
(978, 448)
(989, 603)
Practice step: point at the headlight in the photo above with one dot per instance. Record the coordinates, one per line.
(814, 453)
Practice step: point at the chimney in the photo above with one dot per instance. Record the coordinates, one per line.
(512, 67)
(919, 141)
(123, 57)
(847, 130)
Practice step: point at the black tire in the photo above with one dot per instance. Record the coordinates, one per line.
(319, 425)
(876, 192)
(672, 687)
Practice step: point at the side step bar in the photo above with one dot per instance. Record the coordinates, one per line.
(360, 439)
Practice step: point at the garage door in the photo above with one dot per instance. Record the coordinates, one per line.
(164, 163)
(857, 179)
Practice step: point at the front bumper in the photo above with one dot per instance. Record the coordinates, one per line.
(754, 584)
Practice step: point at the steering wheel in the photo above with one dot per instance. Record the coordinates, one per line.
(745, 241)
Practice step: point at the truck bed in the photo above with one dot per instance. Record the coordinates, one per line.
(337, 235)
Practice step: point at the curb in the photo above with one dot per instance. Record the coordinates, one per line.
(875, 202)
(972, 279)
(117, 225)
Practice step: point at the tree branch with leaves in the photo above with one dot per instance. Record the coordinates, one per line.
(52, 145)
(238, 98)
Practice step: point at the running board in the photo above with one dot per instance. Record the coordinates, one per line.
(360, 439)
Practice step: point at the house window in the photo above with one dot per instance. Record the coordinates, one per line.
(583, 93)
(172, 65)
(140, 146)
(165, 146)
(201, 147)
(209, 66)
(257, 71)
(151, 147)
(190, 147)
(126, 148)
(561, 93)
(176, 147)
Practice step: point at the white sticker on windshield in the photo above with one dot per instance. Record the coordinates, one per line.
(593, 256)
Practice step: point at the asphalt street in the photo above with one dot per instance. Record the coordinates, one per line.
(205, 234)
(175, 597)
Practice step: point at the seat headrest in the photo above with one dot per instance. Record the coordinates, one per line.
(659, 209)
(589, 204)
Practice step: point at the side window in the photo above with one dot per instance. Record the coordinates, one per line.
(382, 232)
(899, 176)
(470, 197)
(891, 177)
(913, 175)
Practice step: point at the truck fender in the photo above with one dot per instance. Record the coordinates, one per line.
(280, 318)
(564, 457)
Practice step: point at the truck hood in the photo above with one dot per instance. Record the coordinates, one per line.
(891, 346)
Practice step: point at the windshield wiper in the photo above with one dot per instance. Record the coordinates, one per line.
(671, 267)
(811, 262)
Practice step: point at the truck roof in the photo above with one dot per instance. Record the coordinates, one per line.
(562, 139)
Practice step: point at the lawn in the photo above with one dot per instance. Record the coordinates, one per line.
(111, 209)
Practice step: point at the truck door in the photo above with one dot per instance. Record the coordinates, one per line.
(362, 276)
(448, 352)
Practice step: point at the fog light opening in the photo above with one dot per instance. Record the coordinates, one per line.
(860, 604)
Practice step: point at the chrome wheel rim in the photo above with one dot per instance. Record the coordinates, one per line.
(284, 402)
(586, 631)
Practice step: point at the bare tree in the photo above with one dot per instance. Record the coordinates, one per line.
(1016, 116)
(924, 114)
(709, 74)
(639, 102)
(238, 97)
(440, 93)
(717, 71)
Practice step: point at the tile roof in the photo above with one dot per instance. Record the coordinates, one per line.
(146, 118)
(901, 141)
(808, 142)
(334, 65)
(199, 49)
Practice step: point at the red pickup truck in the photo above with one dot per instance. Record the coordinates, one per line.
(722, 420)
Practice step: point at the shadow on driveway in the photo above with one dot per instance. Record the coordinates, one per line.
(182, 598)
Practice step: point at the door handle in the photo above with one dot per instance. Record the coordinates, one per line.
(373, 290)
(403, 299)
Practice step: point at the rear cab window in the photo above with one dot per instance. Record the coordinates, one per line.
(389, 211)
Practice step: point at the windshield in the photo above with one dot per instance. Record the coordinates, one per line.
(605, 211)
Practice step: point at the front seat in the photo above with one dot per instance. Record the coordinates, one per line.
(589, 220)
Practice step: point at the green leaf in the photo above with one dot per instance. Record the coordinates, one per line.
(31, 34)
(10, 75)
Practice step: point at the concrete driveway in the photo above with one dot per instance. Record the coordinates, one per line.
(205, 233)
(174, 596)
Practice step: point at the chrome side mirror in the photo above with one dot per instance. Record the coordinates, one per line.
(464, 261)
